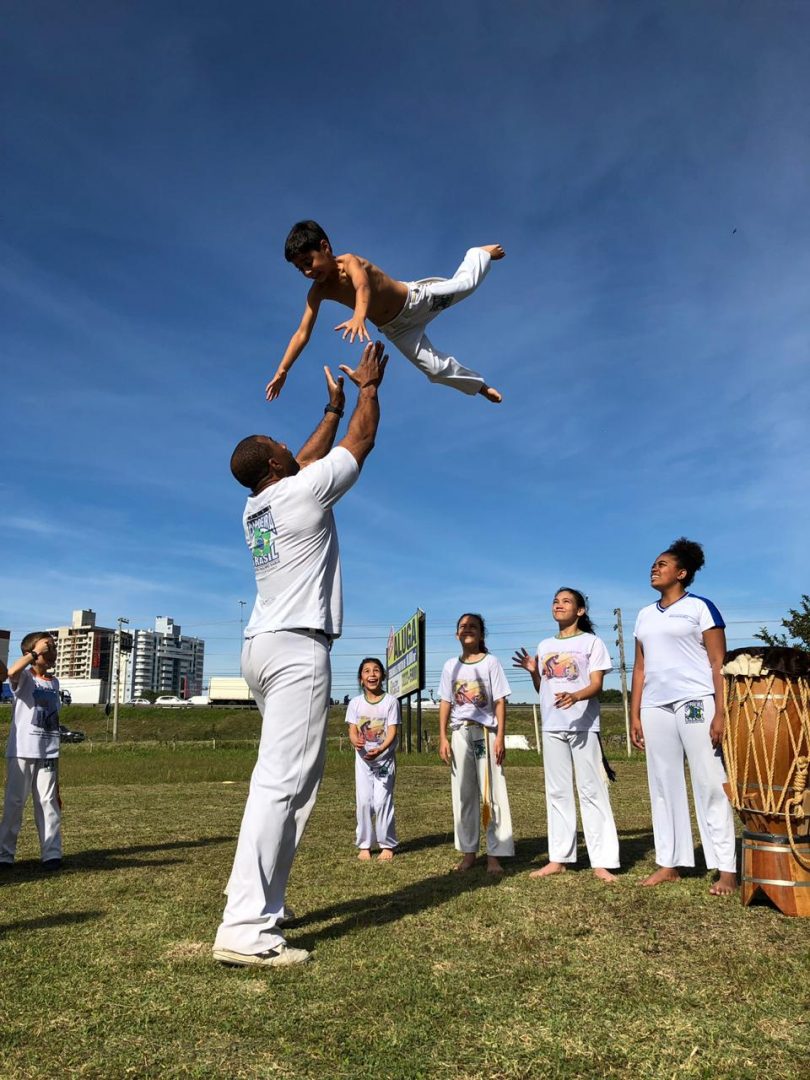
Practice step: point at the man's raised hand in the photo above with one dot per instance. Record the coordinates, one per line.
(370, 370)
(337, 395)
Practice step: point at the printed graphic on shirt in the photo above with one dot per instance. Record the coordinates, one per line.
(469, 692)
(440, 302)
(560, 665)
(262, 533)
(371, 729)
(693, 712)
(46, 711)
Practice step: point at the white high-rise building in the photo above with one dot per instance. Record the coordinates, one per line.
(164, 660)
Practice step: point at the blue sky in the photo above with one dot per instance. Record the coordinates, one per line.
(644, 164)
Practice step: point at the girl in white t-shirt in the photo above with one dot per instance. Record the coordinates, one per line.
(473, 692)
(567, 671)
(373, 719)
(677, 708)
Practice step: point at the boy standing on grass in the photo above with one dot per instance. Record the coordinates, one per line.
(32, 752)
(401, 310)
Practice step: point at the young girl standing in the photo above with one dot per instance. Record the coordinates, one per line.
(676, 709)
(373, 719)
(473, 692)
(567, 672)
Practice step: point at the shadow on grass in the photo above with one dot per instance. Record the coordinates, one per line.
(46, 922)
(532, 852)
(108, 859)
(390, 907)
(423, 843)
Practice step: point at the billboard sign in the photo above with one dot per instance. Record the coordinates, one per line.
(405, 657)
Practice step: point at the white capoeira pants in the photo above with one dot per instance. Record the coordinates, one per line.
(426, 299)
(670, 731)
(375, 796)
(26, 776)
(567, 754)
(467, 779)
(290, 675)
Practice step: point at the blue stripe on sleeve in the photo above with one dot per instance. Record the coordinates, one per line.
(715, 614)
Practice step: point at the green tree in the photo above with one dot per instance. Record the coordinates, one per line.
(797, 626)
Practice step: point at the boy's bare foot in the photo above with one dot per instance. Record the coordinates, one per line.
(549, 869)
(603, 874)
(662, 875)
(495, 250)
(467, 863)
(491, 394)
(364, 855)
(386, 855)
(726, 884)
(494, 865)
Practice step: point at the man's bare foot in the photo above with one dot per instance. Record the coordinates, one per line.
(364, 855)
(386, 855)
(494, 865)
(467, 863)
(726, 884)
(491, 394)
(603, 874)
(495, 250)
(662, 875)
(549, 869)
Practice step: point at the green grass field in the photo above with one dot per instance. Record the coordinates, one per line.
(106, 968)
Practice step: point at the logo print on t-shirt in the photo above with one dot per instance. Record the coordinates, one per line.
(262, 538)
(560, 666)
(469, 693)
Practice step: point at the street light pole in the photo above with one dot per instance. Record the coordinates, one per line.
(241, 628)
(121, 622)
(623, 673)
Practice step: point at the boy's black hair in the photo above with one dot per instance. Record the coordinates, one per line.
(372, 660)
(583, 621)
(30, 640)
(688, 554)
(304, 236)
(475, 615)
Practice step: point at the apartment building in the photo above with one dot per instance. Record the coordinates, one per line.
(85, 651)
(165, 660)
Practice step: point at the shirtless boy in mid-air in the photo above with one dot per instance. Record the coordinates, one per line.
(400, 310)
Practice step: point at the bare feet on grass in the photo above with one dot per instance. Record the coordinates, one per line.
(604, 875)
(726, 884)
(386, 855)
(548, 870)
(494, 865)
(364, 855)
(662, 876)
(495, 250)
(467, 863)
(491, 394)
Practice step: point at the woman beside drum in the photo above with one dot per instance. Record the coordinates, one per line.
(677, 708)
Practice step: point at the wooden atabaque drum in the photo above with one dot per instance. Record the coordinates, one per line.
(767, 754)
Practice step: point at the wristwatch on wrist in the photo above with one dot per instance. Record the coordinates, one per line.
(334, 409)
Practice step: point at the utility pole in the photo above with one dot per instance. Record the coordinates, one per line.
(118, 635)
(241, 631)
(623, 673)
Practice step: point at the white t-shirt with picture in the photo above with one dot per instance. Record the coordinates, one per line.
(565, 666)
(373, 720)
(290, 532)
(676, 664)
(34, 729)
(472, 690)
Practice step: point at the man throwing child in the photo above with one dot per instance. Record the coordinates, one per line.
(290, 531)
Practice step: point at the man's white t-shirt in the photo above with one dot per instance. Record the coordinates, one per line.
(565, 666)
(373, 719)
(676, 664)
(34, 729)
(472, 690)
(290, 532)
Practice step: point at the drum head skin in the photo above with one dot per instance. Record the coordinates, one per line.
(794, 663)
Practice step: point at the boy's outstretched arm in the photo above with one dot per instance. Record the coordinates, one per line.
(297, 343)
(355, 327)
